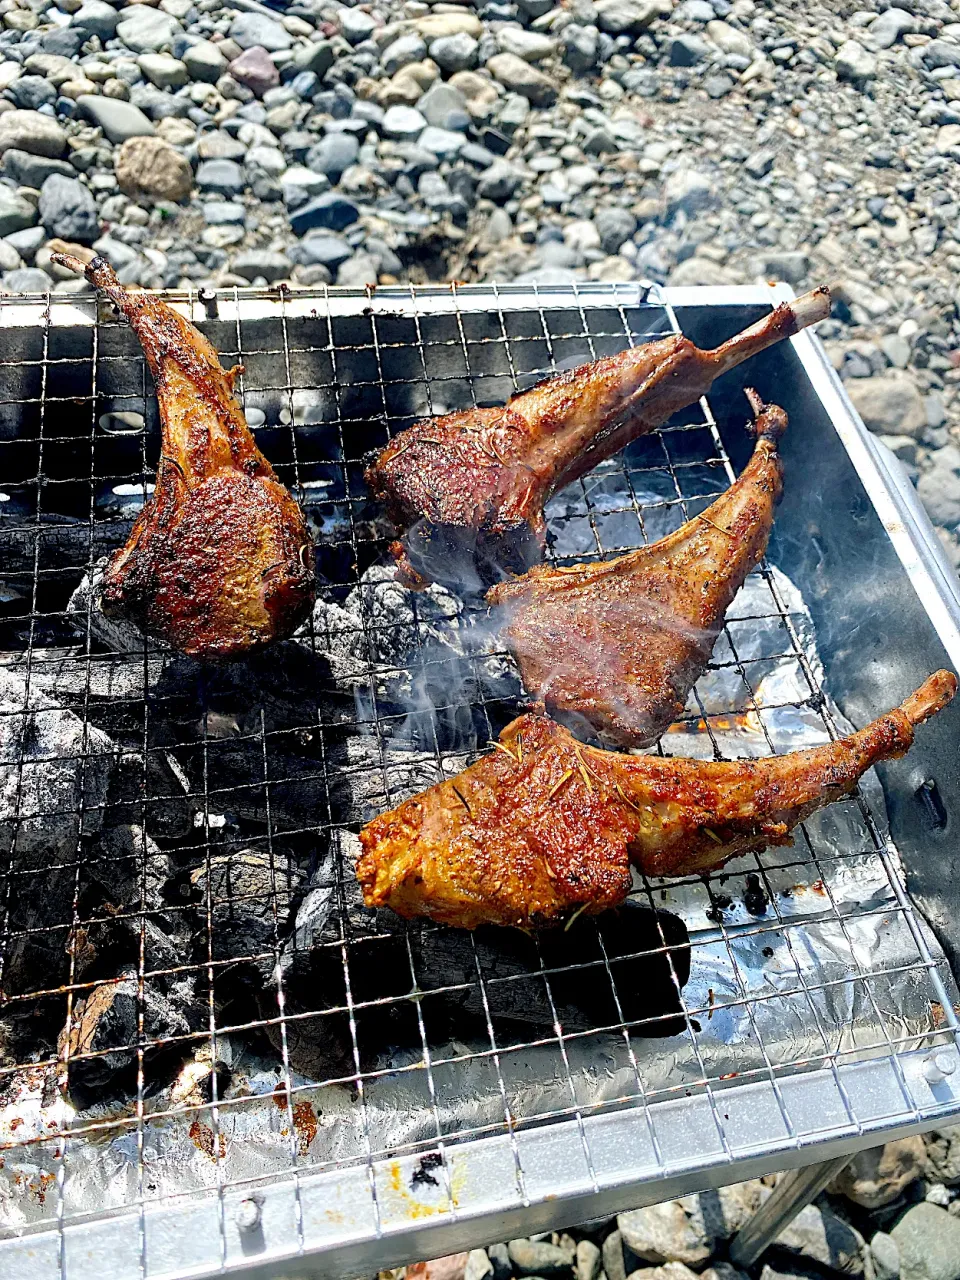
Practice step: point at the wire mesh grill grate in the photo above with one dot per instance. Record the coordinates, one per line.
(171, 822)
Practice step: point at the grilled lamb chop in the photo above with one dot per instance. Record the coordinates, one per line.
(618, 645)
(467, 490)
(219, 561)
(543, 827)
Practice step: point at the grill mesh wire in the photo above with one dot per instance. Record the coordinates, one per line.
(368, 376)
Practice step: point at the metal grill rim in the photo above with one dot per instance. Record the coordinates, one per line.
(663, 320)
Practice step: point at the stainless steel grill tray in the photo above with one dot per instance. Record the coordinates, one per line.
(411, 1092)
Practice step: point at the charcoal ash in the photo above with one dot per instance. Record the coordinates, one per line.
(335, 526)
(12, 1045)
(380, 623)
(56, 765)
(429, 661)
(101, 1041)
(222, 708)
(429, 668)
(121, 904)
(110, 689)
(340, 510)
(75, 921)
(309, 971)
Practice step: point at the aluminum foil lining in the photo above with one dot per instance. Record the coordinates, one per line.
(796, 956)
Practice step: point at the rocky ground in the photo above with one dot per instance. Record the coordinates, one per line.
(709, 141)
(894, 1212)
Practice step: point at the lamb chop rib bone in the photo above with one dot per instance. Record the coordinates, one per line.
(620, 644)
(219, 561)
(467, 490)
(544, 827)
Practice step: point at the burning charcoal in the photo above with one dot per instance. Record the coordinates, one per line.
(118, 635)
(102, 945)
(103, 1033)
(153, 789)
(370, 777)
(11, 1044)
(249, 895)
(52, 788)
(15, 600)
(311, 968)
(311, 974)
(274, 690)
(383, 947)
(632, 938)
(54, 767)
(70, 675)
(416, 646)
(131, 868)
(213, 717)
(52, 541)
(234, 775)
(316, 912)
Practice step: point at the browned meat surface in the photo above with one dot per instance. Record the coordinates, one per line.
(618, 645)
(467, 491)
(219, 561)
(543, 826)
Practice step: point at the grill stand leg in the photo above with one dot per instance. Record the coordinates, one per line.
(791, 1194)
